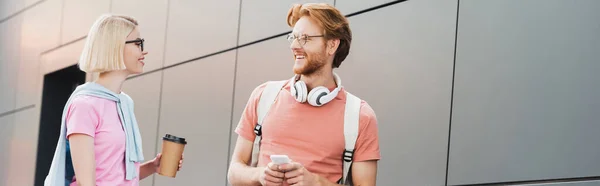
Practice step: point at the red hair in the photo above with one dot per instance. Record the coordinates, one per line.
(331, 20)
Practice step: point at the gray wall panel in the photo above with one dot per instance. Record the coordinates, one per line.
(62, 57)
(256, 23)
(351, 6)
(41, 26)
(577, 183)
(6, 133)
(10, 37)
(45, 16)
(152, 19)
(9, 7)
(526, 91)
(145, 92)
(31, 2)
(78, 17)
(23, 148)
(12, 7)
(196, 104)
(198, 28)
(403, 69)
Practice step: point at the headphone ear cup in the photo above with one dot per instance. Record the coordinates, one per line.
(300, 91)
(315, 95)
(293, 91)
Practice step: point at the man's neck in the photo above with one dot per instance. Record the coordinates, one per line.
(113, 80)
(321, 78)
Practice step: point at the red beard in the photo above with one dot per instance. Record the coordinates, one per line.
(314, 63)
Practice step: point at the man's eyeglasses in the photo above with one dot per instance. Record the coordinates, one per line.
(302, 39)
(138, 41)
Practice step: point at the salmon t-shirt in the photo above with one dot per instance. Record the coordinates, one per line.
(98, 118)
(312, 136)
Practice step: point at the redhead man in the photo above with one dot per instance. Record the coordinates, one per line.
(306, 119)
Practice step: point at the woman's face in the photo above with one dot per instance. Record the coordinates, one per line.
(133, 55)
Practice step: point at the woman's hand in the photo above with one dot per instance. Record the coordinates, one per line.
(156, 162)
(153, 166)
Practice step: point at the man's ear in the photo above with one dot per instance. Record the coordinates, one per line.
(332, 46)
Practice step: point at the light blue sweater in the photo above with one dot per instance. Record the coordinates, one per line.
(133, 148)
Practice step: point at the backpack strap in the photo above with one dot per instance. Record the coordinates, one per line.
(351, 120)
(267, 98)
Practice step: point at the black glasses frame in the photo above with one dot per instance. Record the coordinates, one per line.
(138, 40)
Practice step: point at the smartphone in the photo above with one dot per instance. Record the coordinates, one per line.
(280, 159)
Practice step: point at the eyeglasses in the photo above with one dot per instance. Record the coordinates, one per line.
(138, 41)
(302, 39)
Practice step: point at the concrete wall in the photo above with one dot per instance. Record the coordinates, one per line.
(465, 91)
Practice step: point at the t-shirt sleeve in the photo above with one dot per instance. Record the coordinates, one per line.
(367, 142)
(82, 117)
(249, 118)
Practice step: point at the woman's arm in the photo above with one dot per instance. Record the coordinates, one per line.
(82, 153)
(146, 169)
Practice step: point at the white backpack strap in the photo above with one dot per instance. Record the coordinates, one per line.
(264, 104)
(351, 119)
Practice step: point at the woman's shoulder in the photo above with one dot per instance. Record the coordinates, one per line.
(87, 99)
(90, 102)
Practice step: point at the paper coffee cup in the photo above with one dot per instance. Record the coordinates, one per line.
(172, 150)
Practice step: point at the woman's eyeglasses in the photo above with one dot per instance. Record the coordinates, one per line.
(138, 41)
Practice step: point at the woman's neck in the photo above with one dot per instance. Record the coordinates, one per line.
(112, 80)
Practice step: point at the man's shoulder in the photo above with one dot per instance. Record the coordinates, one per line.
(366, 114)
(366, 110)
(264, 84)
(258, 90)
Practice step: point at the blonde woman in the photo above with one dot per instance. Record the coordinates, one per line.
(99, 132)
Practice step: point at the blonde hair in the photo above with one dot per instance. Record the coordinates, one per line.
(105, 42)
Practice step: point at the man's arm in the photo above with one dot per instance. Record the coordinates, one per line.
(367, 154)
(239, 172)
(364, 173)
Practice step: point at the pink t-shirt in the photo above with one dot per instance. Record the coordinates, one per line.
(98, 118)
(312, 136)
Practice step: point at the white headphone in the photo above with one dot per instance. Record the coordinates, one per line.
(318, 96)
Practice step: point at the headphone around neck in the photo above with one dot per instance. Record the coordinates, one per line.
(318, 96)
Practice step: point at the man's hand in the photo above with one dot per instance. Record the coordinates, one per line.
(297, 175)
(271, 176)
